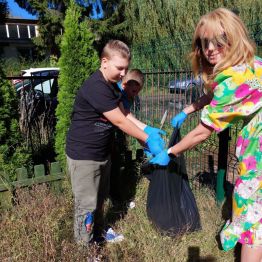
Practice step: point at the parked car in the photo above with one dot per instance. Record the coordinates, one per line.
(189, 87)
(38, 88)
(44, 85)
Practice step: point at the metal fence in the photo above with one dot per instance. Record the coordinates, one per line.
(172, 91)
(37, 103)
(216, 153)
(163, 91)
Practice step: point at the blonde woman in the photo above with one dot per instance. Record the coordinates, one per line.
(224, 55)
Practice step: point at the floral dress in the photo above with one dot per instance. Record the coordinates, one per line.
(238, 95)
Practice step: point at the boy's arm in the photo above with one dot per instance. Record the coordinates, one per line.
(131, 117)
(117, 118)
(137, 122)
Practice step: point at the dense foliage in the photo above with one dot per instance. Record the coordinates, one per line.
(78, 60)
(50, 15)
(161, 31)
(3, 10)
(12, 152)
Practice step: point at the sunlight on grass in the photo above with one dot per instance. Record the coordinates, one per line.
(40, 228)
(144, 243)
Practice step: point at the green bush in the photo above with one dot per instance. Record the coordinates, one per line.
(13, 153)
(78, 60)
(13, 67)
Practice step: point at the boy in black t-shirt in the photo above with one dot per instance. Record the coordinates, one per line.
(97, 110)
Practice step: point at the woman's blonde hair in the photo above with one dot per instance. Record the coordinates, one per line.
(239, 48)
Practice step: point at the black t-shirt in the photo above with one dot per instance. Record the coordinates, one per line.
(90, 133)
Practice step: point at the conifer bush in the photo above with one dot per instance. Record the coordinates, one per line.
(13, 152)
(78, 60)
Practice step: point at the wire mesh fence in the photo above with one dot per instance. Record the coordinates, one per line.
(171, 91)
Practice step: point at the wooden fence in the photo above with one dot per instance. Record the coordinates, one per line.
(8, 188)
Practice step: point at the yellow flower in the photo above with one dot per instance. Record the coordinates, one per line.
(249, 104)
(243, 168)
(259, 72)
(221, 120)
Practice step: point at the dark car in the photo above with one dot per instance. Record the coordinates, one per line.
(37, 89)
(187, 87)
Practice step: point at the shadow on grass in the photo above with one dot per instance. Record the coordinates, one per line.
(194, 255)
(209, 179)
(124, 180)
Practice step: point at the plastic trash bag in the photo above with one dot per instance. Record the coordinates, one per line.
(171, 205)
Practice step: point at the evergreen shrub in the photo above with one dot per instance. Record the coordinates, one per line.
(78, 60)
(13, 152)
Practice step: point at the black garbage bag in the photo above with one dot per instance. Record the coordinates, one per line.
(171, 205)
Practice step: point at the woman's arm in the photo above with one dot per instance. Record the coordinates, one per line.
(199, 104)
(193, 138)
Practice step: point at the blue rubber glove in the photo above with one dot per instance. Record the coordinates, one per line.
(151, 130)
(178, 120)
(147, 153)
(155, 143)
(161, 159)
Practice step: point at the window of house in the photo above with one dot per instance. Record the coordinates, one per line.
(32, 30)
(12, 31)
(23, 31)
(3, 34)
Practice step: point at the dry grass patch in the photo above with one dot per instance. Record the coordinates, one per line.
(40, 228)
(144, 243)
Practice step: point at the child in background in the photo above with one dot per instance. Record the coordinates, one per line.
(131, 84)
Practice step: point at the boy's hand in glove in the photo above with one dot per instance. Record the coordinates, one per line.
(152, 130)
(161, 159)
(155, 143)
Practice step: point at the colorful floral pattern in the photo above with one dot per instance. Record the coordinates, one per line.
(238, 95)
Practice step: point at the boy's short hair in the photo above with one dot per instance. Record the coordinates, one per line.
(134, 75)
(116, 46)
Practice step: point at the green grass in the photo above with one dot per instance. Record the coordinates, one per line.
(40, 228)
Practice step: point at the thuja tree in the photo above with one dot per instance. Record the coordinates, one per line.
(13, 153)
(78, 60)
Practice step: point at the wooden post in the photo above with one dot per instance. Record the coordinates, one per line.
(222, 164)
(21, 173)
(55, 169)
(6, 192)
(39, 170)
(139, 155)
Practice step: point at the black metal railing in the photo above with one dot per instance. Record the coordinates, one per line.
(37, 98)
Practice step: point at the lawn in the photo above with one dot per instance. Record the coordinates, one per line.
(40, 228)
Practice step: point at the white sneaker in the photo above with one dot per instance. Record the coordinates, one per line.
(112, 236)
(131, 205)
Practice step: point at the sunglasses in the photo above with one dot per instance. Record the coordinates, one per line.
(218, 41)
